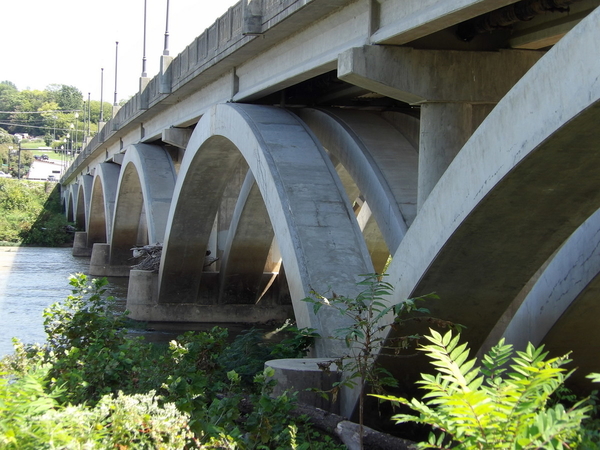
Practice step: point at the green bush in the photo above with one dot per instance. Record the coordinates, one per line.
(494, 406)
(94, 386)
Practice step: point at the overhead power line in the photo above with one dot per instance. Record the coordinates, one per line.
(35, 126)
(42, 112)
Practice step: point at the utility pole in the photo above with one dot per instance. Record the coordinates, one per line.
(19, 162)
(116, 62)
(101, 95)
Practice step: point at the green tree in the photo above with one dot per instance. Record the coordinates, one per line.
(69, 98)
(95, 111)
(5, 138)
(8, 100)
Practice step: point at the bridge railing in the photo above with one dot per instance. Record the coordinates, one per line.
(213, 45)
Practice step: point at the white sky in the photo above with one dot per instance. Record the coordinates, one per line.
(46, 42)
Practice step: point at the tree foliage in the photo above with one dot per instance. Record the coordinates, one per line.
(503, 404)
(30, 213)
(95, 386)
(59, 112)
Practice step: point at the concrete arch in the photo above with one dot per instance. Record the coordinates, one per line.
(82, 202)
(70, 207)
(247, 248)
(69, 194)
(319, 239)
(560, 302)
(144, 192)
(102, 202)
(524, 182)
(381, 161)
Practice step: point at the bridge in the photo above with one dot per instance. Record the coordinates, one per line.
(306, 142)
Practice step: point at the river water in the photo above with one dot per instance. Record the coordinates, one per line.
(32, 278)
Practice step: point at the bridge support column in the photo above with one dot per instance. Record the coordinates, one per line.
(445, 128)
(100, 263)
(142, 293)
(456, 91)
(80, 247)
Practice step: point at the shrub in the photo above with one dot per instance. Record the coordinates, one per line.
(88, 346)
(492, 406)
(93, 386)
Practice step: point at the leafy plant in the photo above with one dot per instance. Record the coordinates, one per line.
(493, 406)
(94, 386)
(367, 335)
(88, 346)
(249, 351)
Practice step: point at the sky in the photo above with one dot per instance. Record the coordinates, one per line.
(68, 42)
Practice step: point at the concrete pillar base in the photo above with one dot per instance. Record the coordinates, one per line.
(300, 374)
(100, 263)
(80, 247)
(141, 293)
(191, 312)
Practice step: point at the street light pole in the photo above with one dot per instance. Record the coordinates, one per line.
(116, 62)
(19, 162)
(76, 130)
(144, 74)
(166, 49)
(101, 95)
(89, 114)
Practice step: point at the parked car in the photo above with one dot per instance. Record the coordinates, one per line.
(4, 175)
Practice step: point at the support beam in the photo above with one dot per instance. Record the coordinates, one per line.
(179, 137)
(456, 91)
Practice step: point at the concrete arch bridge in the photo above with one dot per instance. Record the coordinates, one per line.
(305, 142)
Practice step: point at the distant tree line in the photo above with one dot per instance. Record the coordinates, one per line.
(59, 114)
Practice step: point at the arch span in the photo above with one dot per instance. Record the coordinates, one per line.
(143, 198)
(102, 200)
(380, 160)
(69, 195)
(519, 187)
(318, 236)
(82, 202)
(560, 302)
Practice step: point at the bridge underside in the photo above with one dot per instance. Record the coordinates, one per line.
(481, 188)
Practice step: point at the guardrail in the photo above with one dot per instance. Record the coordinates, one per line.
(226, 32)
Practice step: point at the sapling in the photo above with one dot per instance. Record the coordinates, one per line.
(367, 335)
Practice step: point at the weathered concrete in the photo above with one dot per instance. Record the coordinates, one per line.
(249, 241)
(560, 307)
(374, 239)
(510, 198)
(291, 183)
(143, 305)
(299, 375)
(80, 247)
(100, 263)
(82, 205)
(145, 184)
(378, 158)
(179, 137)
(103, 194)
(226, 214)
(456, 90)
